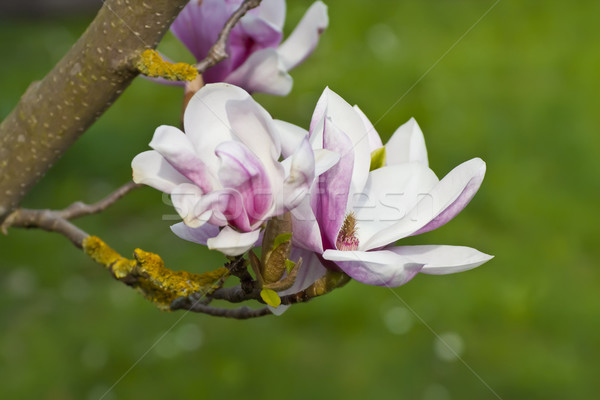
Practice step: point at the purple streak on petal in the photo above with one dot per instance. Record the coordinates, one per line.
(241, 170)
(227, 208)
(456, 206)
(197, 235)
(331, 198)
(199, 23)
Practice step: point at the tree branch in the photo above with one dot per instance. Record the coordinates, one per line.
(218, 52)
(55, 111)
(184, 303)
(58, 220)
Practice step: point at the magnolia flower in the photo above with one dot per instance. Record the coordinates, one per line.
(258, 61)
(358, 209)
(223, 173)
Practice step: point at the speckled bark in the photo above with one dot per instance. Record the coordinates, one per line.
(55, 111)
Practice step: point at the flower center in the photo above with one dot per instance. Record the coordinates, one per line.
(346, 239)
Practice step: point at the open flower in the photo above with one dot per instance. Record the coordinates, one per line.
(223, 173)
(258, 61)
(355, 213)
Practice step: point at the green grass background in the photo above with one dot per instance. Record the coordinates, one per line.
(521, 90)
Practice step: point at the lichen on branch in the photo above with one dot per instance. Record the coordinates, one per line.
(147, 273)
(153, 65)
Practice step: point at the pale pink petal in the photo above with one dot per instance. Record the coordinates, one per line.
(303, 40)
(407, 144)
(150, 168)
(390, 194)
(440, 260)
(307, 233)
(374, 139)
(452, 209)
(233, 243)
(262, 72)
(325, 160)
(272, 11)
(177, 149)
(380, 268)
(219, 207)
(186, 198)
(197, 235)
(301, 175)
(290, 136)
(437, 206)
(206, 119)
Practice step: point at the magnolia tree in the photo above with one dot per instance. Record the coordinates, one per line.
(297, 211)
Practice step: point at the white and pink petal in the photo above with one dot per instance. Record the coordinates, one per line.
(305, 37)
(379, 268)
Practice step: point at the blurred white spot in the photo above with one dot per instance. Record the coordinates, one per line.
(75, 288)
(449, 346)
(94, 356)
(99, 392)
(20, 283)
(188, 337)
(382, 40)
(435, 391)
(398, 320)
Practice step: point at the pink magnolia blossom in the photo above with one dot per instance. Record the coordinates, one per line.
(258, 61)
(224, 174)
(353, 216)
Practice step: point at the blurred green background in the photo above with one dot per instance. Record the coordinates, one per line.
(521, 90)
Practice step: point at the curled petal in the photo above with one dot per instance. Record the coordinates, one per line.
(407, 144)
(305, 37)
(380, 268)
(233, 243)
(440, 260)
(197, 235)
(262, 72)
(186, 198)
(150, 168)
(438, 206)
(241, 170)
(177, 149)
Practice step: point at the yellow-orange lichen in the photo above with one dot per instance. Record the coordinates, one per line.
(149, 275)
(152, 64)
